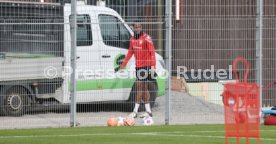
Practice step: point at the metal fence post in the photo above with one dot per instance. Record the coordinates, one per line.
(73, 27)
(259, 45)
(168, 56)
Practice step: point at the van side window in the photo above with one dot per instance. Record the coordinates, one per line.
(114, 32)
(84, 33)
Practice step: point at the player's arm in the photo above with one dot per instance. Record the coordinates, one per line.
(152, 58)
(129, 55)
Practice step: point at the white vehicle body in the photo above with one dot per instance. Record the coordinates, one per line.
(97, 79)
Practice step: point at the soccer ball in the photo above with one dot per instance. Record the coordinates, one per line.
(129, 121)
(120, 121)
(148, 121)
(112, 121)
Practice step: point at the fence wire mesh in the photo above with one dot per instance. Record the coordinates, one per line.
(207, 35)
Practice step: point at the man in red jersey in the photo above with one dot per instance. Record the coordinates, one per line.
(141, 46)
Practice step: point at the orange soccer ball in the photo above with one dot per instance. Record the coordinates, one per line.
(129, 121)
(112, 121)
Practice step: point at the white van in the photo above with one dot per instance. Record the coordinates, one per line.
(35, 56)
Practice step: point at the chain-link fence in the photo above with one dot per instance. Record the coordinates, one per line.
(200, 38)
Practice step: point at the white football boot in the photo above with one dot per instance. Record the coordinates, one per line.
(133, 115)
(146, 114)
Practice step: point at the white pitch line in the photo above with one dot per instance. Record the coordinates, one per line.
(45, 136)
(200, 136)
(176, 134)
(214, 131)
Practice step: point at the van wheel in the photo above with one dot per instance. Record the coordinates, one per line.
(15, 101)
(153, 90)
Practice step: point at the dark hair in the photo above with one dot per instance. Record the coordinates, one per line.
(137, 22)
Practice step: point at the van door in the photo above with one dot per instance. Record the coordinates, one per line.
(115, 42)
(87, 60)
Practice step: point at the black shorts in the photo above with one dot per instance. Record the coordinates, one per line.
(145, 74)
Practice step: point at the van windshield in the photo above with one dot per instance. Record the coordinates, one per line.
(114, 32)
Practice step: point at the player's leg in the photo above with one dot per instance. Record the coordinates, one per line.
(146, 95)
(139, 88)
(146, 99)
(138, 98)
(139, 91)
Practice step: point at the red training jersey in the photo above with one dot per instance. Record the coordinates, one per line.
(143, 50)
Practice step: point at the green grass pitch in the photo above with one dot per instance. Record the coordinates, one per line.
(177, 134)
